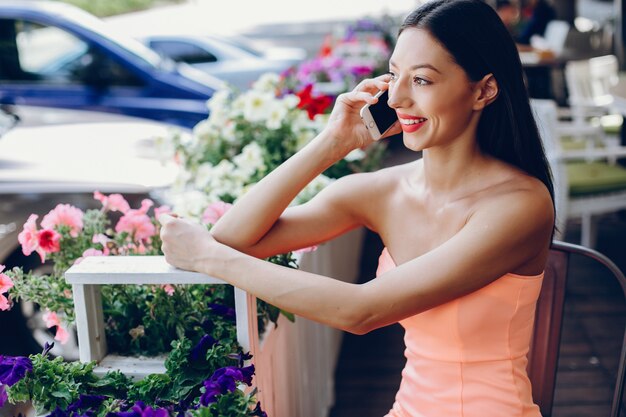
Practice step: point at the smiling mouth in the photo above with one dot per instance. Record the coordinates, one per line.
(411, 124)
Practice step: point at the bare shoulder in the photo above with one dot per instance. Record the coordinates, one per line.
(365, 195)
(520, 204)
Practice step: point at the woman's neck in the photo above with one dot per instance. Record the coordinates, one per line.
(446, 169)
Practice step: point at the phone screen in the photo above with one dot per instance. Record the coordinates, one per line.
(383, 115)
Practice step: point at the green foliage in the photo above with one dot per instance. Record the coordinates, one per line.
(52, 383)
(104, 8)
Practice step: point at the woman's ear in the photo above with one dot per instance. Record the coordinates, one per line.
(487, 91)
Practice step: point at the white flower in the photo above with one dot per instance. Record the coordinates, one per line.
(190, 203)
(219, 100)
(266, 83)
(277, 115)
(250, 159)
(291, 101)
(355, 155)
(257, 105)
(204, 176)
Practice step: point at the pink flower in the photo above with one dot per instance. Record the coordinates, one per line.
(4, 303)
(51, 319)
(113, 202)
(169, 289)
(146, 203)
(64, 215)
(49, 241)
(161, 210)
(89, 252)
(215, 211)
(62, 335)
(29, 236)
(137, 224)
(103, 240)
(5, 282)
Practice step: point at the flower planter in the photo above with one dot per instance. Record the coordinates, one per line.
(86, 279)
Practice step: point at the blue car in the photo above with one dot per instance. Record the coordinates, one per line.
(57, 55)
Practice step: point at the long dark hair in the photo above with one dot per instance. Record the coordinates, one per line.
(472, 32)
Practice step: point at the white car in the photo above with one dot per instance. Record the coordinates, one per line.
(230, 59)
(51, 156)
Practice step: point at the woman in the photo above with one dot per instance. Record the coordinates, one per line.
(467, 228)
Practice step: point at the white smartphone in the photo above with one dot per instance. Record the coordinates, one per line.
(379, 117)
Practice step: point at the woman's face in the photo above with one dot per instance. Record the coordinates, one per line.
(431, 94)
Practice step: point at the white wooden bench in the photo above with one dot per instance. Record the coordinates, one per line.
(86, 278)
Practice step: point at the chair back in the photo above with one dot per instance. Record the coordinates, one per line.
(555, 35)
(544, 348)
(589, 81)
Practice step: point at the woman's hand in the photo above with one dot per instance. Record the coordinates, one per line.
(344, 124)
(186, 244)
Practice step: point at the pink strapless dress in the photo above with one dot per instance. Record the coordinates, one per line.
(467, 358)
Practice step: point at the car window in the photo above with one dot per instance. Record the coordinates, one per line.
(30, 52)
(182, 51)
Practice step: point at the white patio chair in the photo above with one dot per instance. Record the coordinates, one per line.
(587, 184)
(589, 82)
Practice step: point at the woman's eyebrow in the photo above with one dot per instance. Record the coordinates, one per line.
(417, 66)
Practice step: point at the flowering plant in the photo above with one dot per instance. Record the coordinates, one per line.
(138, 319)
(245, 137)
(362, 52)
(197, 321)
(201, 379)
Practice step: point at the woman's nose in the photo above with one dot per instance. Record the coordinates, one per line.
(398, 96)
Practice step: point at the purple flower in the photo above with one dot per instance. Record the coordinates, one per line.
(13, 368)
(199, 351)
(47, 347)
(3, 395)
(86, 402)
(141, 410)
(211, 390)
(222, 310)
(223, 381)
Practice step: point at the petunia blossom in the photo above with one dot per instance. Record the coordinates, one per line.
(169, 289)
(29, 236)
(52, 319)
(48, 242)
(87, 253)
(112, 202)
(137, 224)
(3, 395)
(161, 210)
(215, 211)
(13, 369)
(62, 335)
(5, 282)
(4, 303)
(64, 215)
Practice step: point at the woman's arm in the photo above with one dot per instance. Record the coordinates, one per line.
(510, 232)
(260, 223)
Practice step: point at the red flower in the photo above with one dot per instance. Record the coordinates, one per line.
(49, 240)
(313, 105)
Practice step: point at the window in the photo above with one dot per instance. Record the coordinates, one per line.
(183, 52)
(30, 52)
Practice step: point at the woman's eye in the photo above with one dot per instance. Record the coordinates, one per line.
(393, 76)
(420, 81)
